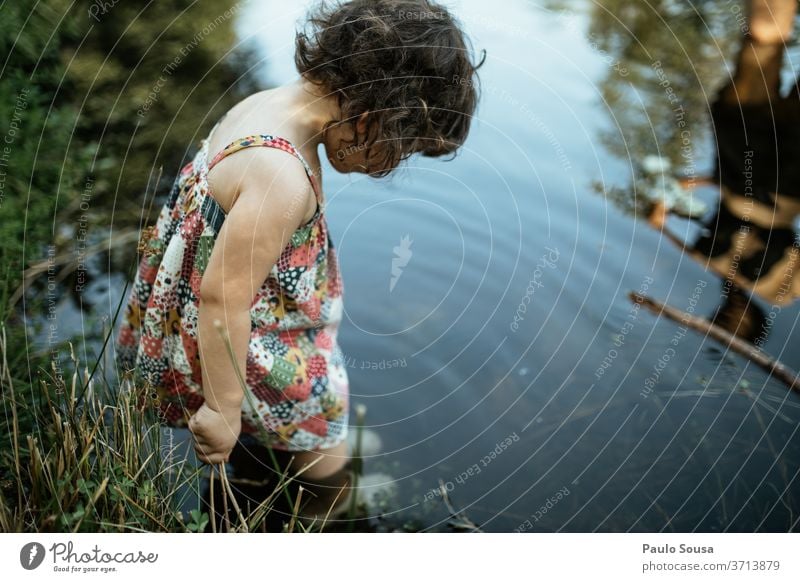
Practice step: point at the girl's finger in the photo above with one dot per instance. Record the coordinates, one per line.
(213, 458)
(200, 441)
(204, 450)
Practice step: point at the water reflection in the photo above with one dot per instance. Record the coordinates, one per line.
(482, 360)
(750, 241)
(486, 361)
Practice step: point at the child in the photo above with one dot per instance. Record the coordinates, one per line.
(242, 247)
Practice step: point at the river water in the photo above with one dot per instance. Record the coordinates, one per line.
(488, 326)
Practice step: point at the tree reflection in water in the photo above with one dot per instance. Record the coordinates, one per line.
(667, 107)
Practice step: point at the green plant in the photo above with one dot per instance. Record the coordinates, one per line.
(199, 521)
(92, 457)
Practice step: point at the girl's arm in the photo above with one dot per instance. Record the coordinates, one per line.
(269, 208)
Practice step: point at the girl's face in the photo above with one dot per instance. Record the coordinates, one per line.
(345, 149)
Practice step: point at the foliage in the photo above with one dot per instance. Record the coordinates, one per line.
(77, 163)
(677, 54)
(84, 458)
(667, 60)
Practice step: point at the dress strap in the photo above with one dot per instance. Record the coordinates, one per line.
(265, 140)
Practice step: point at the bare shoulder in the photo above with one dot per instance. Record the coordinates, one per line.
(272, 196)
(267, 177)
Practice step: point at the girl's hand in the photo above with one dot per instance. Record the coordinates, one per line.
(215, 432)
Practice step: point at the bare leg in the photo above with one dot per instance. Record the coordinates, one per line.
(326, 484)
(757, 77)
(332, 461)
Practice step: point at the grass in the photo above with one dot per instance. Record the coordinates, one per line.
(81, 454)
(83, 459)
(86, 457)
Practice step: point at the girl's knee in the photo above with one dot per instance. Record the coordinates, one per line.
(322, 464)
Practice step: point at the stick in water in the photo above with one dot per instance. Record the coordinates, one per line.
(738, 345)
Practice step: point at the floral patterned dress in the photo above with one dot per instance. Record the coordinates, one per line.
(297, 385)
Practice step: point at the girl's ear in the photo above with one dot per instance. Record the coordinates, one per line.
(361, 124)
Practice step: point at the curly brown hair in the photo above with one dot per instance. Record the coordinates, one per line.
(406, 62)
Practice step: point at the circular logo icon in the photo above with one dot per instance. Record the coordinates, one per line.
(31, 555)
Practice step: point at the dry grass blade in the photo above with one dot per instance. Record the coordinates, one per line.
(295, 509)
(95, 497)
(223, 477)
(335, 501)
(460, 519)
(211, 498)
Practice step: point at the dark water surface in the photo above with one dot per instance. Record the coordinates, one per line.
(488, 328)
(507, 359)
